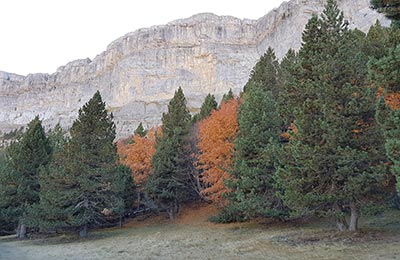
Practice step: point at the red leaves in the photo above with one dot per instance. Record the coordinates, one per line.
(138, 154)
(216, 145)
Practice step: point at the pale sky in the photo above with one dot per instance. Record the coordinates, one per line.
(41, 35)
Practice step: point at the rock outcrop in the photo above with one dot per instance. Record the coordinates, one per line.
(139, 72)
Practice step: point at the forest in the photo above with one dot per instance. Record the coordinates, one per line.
(314, 134)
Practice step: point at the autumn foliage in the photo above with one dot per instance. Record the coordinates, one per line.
(392, 99)
(216, 145)
(137, 155)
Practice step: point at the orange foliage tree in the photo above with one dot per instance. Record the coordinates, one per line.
(216, 145)
(137, 155)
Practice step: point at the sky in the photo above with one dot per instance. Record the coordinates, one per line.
(41, 35)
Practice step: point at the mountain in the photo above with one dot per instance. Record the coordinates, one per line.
(139, 72)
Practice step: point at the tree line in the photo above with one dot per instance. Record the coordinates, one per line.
(52, 182)
(313, 134)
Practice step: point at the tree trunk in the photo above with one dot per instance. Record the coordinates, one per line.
(138, 199)
(120, 221)
(341, 223)
(171, 212)
(353, 217)
(177, 206)
(21, 231)
(83, 231)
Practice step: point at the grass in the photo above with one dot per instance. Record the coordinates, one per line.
(191, 236)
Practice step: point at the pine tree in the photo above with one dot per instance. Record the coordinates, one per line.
(253, 186)
(83, 185)
(206, 108)
(384, 72)
(57, 138)
(377, 41)
(257, 144)
(335, 161)
(171, 161)
(264, 73)
(289, 71)
(140, 130)
(9, 200)
(228, 96)
(21, 186)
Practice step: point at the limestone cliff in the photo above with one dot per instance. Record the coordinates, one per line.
(139, 72)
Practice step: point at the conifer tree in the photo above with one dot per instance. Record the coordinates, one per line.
(208, 105)
(265, 72)
(57, 138)
(168, 183)
(20, 186)
(83, 185)
(228, 96)
(334, 162)
(289, 71)
(377, 41)
(253, 183)
(385, 73)
(9, 200)
(140, 130)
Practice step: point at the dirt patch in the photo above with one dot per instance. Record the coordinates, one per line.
(194, 214)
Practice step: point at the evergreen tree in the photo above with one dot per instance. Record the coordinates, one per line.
(289, 71)
(386, 70)
(335, 161)
(253, 185)
(20, 186)
(227, 96)
(264, 73)
(208, 105)
(385, 73)
(83, 185)
(391, 8)
(171, 161)
(140, 130)
(377, 41)
(57, 138)
(9, 199)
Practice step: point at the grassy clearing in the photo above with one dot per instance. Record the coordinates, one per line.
(192, 237)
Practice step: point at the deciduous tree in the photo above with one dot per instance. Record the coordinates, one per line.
(216, 137)
(138, 154)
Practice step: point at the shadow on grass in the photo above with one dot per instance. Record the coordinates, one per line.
(382, 228)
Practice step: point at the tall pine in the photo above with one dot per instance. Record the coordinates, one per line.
(385, 72)
(253, 189)
(172, 161)
(83, 185)
(20, 187)
(334, 162)
(208, 105)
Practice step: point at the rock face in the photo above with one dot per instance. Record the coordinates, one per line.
(139, 72)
